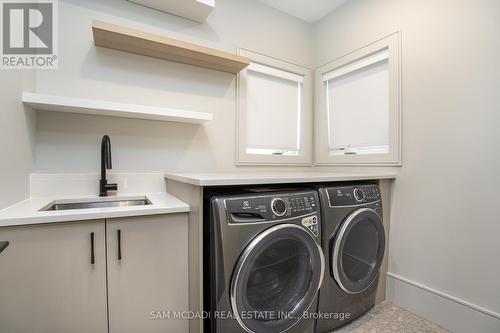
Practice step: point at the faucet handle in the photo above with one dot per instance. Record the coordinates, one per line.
(111, 187)
(104, 187)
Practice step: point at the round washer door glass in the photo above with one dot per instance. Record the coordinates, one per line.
(358, 251)
(276, 279)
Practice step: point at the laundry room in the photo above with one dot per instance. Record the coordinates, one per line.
(249, 166)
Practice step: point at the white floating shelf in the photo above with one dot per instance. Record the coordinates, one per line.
(196, 10)
(112, 109)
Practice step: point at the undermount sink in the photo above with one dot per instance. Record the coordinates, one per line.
(66, 205)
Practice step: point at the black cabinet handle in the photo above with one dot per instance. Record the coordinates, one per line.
(92, 257)
(3, 246)
(119, 232)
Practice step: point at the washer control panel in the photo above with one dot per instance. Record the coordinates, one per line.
(300, 205)
(271, 207)
(353, 195)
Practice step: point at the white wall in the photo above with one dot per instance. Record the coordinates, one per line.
(445, 227)
(16, 136)
(70, 143)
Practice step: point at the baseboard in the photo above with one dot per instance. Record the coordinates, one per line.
(449, 312)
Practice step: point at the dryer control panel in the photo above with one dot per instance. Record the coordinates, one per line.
(271, 207)
(353, 195)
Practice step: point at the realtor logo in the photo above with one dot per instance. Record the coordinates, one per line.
(29, 34)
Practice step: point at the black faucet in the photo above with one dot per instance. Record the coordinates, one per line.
(104, 187)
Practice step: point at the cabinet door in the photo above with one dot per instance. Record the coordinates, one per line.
(152, 275)
(47, 281)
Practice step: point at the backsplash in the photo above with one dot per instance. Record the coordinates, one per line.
(67, 185)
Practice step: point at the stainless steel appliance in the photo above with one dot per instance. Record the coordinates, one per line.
(353, 246)
(263, 262)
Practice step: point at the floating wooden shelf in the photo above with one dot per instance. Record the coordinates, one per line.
(147, 44)
(112, 109)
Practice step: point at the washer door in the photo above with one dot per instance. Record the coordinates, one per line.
(358, 251)
(276, 279)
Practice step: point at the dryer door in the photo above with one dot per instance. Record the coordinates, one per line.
(358, 250)
(276, 279)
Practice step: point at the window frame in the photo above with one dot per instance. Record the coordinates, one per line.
(323, 154)
(305, 156)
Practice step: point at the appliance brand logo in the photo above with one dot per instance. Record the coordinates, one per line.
(29, 34)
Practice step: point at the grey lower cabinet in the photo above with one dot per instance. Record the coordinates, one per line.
(148, 274)
(50, 284)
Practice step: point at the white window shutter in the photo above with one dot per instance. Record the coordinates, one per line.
(273, 109)
(358, 104)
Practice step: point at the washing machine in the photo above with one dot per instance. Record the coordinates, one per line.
(353, 245)
(263, 261)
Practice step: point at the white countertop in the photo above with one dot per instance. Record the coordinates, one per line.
(28, 211)
(254, 178)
